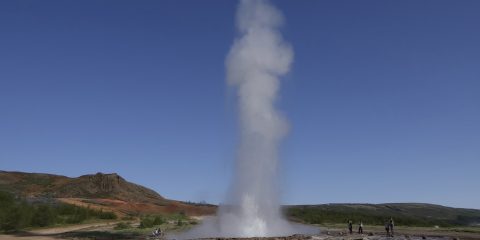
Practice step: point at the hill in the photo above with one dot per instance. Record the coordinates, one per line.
(407, 214)
(111, 192)
(98, 185)
(105, 191)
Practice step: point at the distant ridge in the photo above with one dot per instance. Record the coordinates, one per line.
(410, 214)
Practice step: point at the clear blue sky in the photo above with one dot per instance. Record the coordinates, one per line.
(383, 98)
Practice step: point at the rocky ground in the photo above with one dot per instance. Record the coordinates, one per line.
(325, 237)
(294, 237)
(376, 233)
(354, 237)
(105, 231)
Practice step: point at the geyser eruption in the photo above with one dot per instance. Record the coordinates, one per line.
(258, 58)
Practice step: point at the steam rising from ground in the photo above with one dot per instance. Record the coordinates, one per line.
(258, 57)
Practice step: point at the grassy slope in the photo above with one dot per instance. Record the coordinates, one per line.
(408, 214)
(99, 191)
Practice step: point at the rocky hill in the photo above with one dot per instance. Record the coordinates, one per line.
(106, 191)
(98, 185)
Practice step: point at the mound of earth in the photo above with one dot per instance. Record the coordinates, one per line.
(106, 191)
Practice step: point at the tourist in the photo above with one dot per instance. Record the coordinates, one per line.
(350, 226)
(387, 228)
(391, 224)
(157, 233)
(360, 227)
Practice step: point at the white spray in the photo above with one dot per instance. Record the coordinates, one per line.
(258, 58)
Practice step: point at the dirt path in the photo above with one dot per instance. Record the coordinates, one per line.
(53, 233)
(13, 237)
(83, 227)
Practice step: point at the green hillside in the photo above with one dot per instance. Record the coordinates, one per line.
(407, 214)
(18, 213)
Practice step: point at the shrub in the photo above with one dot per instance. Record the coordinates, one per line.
(146, 222)
(43, 216)
(121, 226)
(158, 220)
(16, 213)
(107, 215)
(128, 218)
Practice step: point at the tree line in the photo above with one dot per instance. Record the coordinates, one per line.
(314, 215)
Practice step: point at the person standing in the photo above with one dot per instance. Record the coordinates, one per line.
(387, 228)
(360, 227)
(350, 226)
(391, 225)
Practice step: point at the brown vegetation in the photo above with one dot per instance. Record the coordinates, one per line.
(109, 192)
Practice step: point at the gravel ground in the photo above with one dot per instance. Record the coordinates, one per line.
(104, 231)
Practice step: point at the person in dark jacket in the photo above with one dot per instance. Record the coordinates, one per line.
(391, 224)
(360, 227)
(387, 228)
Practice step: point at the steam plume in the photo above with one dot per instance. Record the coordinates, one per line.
(258, 58)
